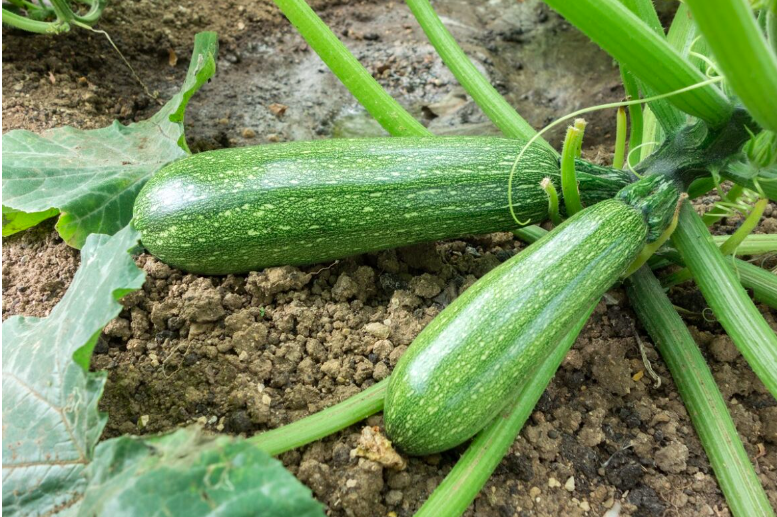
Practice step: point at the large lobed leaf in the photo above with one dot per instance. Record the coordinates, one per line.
(92, 177)
(50, 418)
(189, 473)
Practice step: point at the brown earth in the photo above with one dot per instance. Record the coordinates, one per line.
(242, 354)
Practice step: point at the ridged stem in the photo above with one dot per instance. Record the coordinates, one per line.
(553, 206)
(726, 296)
(620, 138)
(323, 423)
(568, 175)
(735, 474)
(496, 108)
(387, 111)
(763, 283)
(462, 484)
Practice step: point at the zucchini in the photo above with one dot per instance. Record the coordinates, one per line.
(465, 365)
(236, 210)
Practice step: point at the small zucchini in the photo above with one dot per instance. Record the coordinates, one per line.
(465, 365)
(237, 210)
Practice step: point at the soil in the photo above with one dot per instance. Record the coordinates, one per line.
(243, 354)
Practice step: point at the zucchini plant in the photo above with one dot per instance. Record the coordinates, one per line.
(479, 368)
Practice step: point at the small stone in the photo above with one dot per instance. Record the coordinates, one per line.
(723, 349)
(553, 483)
(143, 421)
(426, 285)
(534, 492)
(351, 483)
(672, 458)
(277, 109)
(569, 486)
(380, 372)
(345, 288)
(249, 133)
(378, 330)
(585, 506)
(394, 497)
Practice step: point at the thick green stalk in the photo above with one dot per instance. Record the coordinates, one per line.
(736, 475)
(568, 175)
(763, 283)
(24, 23)
(753, 244)
(323, 423)
(553, 205)
(353, 75)
(648, 55)
(462, 484)
(493, 105)
(620, 139)
(741, 53)
(726, 296)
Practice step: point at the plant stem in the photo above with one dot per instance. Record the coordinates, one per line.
(568, 175)
(351, 73)
(530, 234)
(323, 423)
(620, 139)
(648, 55)
(745, 229)
(753, 244)
(725, 295)
(550, 190)
(741, 53)
(763, 283)
(635, 115)
(733, 470)
(24, 23)
(462, 484)
(493, 105)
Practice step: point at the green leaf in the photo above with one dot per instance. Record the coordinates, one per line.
(189, 473)
(50, 418)
(15, 221)
(93, 176)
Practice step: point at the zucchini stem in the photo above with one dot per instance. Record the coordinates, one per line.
(572, 143)
(323, 423)
(745, 229)
(651, 247)
(620, 138)
(735, 474)
(724, 294)
(553, 211)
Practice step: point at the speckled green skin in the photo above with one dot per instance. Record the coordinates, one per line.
(467, 363)
(237, 210)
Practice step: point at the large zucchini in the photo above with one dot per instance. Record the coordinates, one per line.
(237, 210)
(467, 363)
